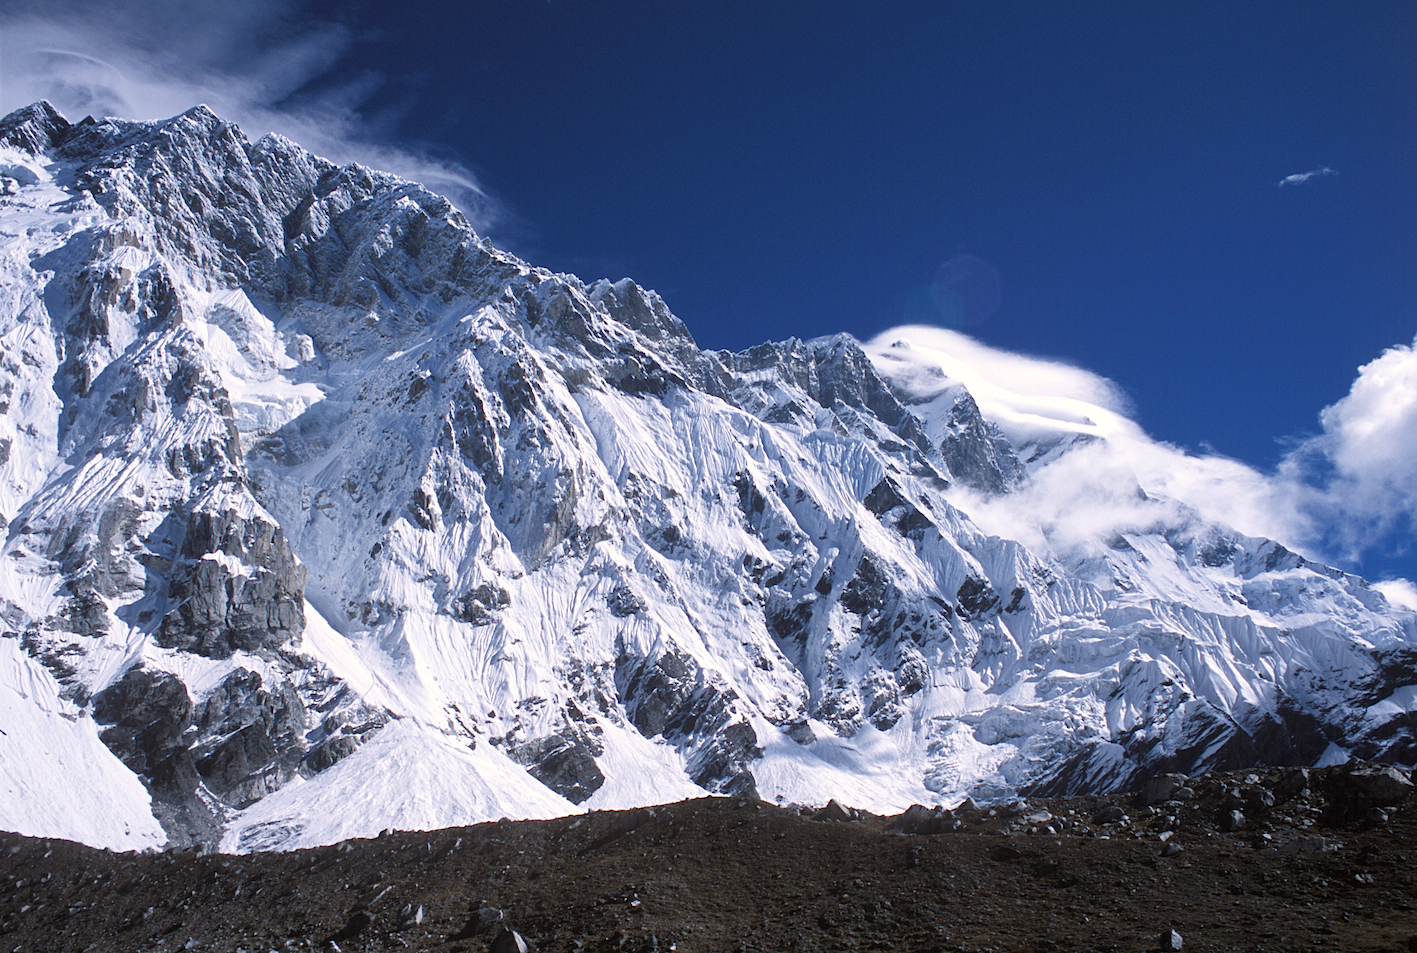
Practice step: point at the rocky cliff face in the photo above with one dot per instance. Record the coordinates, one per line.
(290, 454)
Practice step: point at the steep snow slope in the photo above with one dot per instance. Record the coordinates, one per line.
(332, 517)
(56, 778)
(408, 777)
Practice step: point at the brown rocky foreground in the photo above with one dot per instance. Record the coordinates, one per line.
(1263, 860)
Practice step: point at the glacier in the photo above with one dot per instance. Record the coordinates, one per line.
(324, 515)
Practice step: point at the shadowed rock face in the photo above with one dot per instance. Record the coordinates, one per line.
(238, 588)
(251, 739)
(148, 713)
(976, 452)
(564, 762)
(670, 698)
(34, 129)
(239, 743)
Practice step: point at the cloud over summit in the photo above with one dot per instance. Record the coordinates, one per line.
(1338, 495)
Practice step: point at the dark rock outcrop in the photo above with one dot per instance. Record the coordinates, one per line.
(564, 762)
(148, 715)
(976, 451)
(671, 697)
(239, 588)
(252, 737)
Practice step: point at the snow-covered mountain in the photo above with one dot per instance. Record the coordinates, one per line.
(323, 515)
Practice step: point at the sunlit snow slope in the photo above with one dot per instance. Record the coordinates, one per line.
(323, 515)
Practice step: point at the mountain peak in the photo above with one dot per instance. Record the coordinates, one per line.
(35, 128)
(302, 478)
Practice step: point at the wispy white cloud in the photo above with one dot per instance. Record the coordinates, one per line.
(1400, 592)
(1299, 178)
(265, 65)
(1336, 496)
(1024, 395)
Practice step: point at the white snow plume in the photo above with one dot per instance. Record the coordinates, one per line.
(1299, 178)
(1337, 496)
(1400, 592)
(1028, 397)
(251, 63)
(1114, 480)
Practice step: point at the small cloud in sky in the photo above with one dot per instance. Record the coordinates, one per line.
(1299, 178)
(266, 65)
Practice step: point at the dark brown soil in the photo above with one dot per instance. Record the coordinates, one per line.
(730, 874)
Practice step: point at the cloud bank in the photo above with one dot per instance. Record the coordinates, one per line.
(1365, 460)
(265, 65)
(1335, 496)
(1299, 178)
